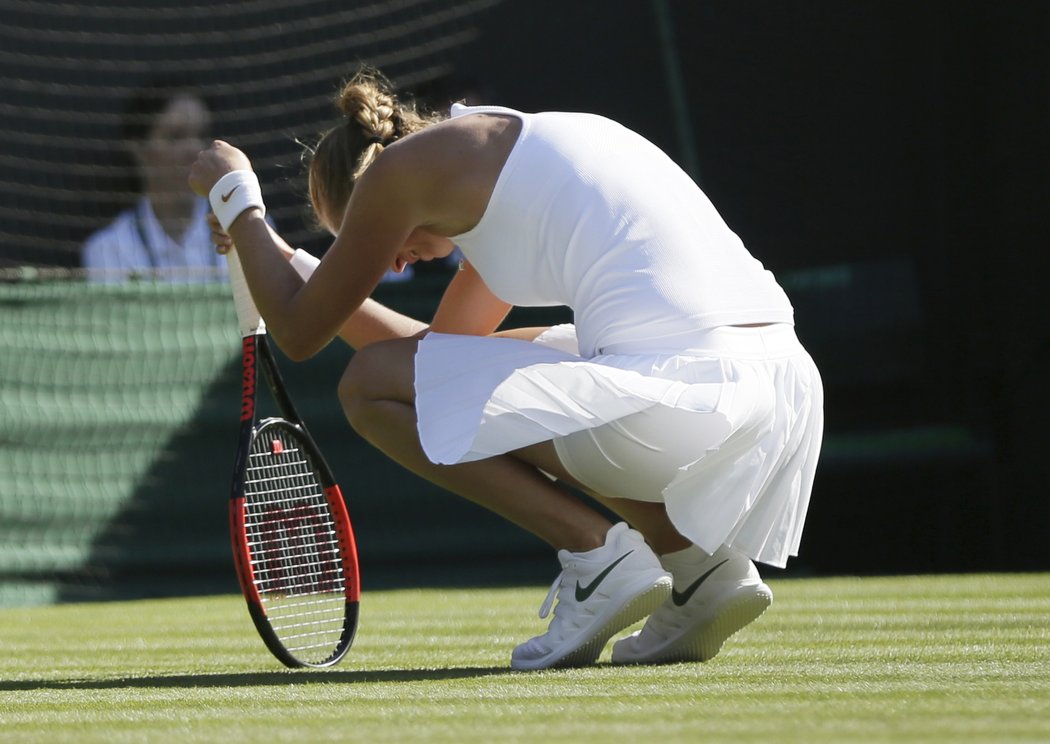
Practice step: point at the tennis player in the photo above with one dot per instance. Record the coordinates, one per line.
(681, 398)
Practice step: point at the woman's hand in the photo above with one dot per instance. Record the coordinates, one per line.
(213, 163)
(223, 242)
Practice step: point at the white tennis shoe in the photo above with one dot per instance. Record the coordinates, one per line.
(600, 592)
(714, 596)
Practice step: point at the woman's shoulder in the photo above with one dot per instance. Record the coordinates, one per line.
(452, 166)
(477, 127)
(453, 147)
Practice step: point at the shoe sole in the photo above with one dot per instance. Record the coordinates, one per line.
(704, 643)
(588, 652)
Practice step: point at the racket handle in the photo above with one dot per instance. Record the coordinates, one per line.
(248, 317)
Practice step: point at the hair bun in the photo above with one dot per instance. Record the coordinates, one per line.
(374, 118)
(369, 99)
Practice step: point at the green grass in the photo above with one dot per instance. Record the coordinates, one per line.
(925, 659)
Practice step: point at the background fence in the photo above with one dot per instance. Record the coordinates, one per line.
(886, 160)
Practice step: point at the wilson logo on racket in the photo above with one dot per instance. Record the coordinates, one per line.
(248, 383)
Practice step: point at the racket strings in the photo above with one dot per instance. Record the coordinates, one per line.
(294, 544)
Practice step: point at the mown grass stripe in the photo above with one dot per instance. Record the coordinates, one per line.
(909, 659)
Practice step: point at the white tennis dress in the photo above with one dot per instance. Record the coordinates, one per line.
(655, 393)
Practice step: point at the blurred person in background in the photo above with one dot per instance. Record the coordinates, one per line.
(165, 234)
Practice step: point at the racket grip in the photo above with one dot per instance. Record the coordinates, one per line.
(251, 323)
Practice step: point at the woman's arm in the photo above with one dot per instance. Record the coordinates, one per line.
(387, 203)
(468, 306)
(371, 322)
(438, 180)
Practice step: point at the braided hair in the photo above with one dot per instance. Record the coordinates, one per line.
(373, 117)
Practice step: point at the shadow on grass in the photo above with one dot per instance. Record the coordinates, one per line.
(259, 679)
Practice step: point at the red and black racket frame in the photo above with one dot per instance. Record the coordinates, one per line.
(256, 349)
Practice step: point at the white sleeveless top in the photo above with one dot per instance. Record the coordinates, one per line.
(589, 214)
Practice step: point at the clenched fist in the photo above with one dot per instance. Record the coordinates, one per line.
(213, 163)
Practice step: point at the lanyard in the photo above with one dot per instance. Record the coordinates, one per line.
(152, 252)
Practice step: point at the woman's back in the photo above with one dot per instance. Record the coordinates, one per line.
(589, 214)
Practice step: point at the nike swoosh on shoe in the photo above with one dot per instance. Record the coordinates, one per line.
(583, 592)
(680, 598)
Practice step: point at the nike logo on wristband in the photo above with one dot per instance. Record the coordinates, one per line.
(680, 598)
(583, 592)
(226, 197)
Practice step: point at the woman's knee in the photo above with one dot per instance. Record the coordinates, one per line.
(375, 373)
(356, 388)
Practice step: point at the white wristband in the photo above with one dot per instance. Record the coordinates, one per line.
(304, 263)
(233, 193)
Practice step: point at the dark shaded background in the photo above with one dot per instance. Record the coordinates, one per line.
(887, 160)
(900, 149)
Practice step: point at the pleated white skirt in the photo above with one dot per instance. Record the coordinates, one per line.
(754, 396)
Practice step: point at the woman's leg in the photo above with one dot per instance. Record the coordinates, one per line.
(378, 396)
(610, 577)
(649, 518)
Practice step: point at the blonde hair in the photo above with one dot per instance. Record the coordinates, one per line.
(373, 117)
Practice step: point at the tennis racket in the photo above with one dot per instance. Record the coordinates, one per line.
(293, 545)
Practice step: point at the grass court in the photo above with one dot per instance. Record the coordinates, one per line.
(905, 659)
